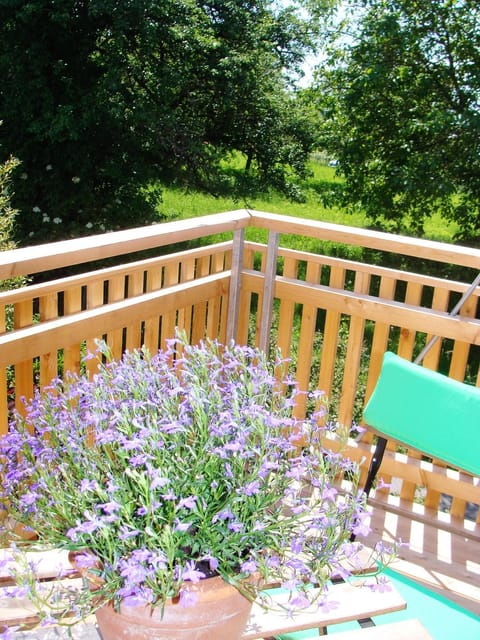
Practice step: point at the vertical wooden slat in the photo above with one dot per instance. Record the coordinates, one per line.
(95, 293)
(72, 302)
(3, 381)
(245, 302)
(461, 350)
(224, 306)
(431, 361)
(48, 306)
(305, 344)
(270, 271)
(286, 311)
(330, 336)
(116, 292)
(3, 318)
(440, 303)
(406, 346)
(380, 339)
(258, 317)
(187, 274)
(406, 342)
(238, 256)
(3, 402)
(200, 310)
(23, 317)
(133, 332)
(169, 320)
(151, 336)
(381, 334)
(458, 507)
(214, 304)
(352, 359)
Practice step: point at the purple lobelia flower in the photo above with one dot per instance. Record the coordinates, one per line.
(170, 467)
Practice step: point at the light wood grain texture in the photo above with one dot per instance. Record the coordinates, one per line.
(348, 603)
(331, 335)
(424, 474)
(442, 561)
(427, 249)
(286, 312)
(69, 330)
(404, 630)
(305, 344)
(355, 344)
(98, 247)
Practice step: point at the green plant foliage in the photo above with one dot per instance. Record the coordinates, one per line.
(7, 214)
(400, 99)
(7, 220)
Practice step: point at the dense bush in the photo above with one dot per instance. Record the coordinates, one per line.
(7, 219)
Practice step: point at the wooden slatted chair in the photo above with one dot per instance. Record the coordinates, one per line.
(426, 411)
(420, 408)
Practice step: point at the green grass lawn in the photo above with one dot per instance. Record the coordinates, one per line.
(178, 204)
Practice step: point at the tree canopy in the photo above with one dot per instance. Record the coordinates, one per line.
(99, 97)
(400, 98)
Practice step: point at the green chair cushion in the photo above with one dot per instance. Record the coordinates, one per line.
(427, 411)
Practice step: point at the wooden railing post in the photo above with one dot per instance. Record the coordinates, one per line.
(235, 282)
(268, 291)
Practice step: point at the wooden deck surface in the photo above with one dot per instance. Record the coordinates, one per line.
(445, 562)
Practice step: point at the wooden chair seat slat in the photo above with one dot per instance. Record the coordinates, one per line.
(346, 602)
(404, 630)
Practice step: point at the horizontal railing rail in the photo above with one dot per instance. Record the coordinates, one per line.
(405, 245)
(46, 257)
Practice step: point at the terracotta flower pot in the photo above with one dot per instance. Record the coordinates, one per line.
(220, 612)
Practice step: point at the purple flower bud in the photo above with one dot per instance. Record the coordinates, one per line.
(188, 598)
(181, 526)
(191, 574)
(248, 567)
(187, 503)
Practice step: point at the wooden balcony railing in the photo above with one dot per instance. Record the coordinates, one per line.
(334, 318)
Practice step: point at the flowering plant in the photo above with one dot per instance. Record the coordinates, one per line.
(170, 468)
